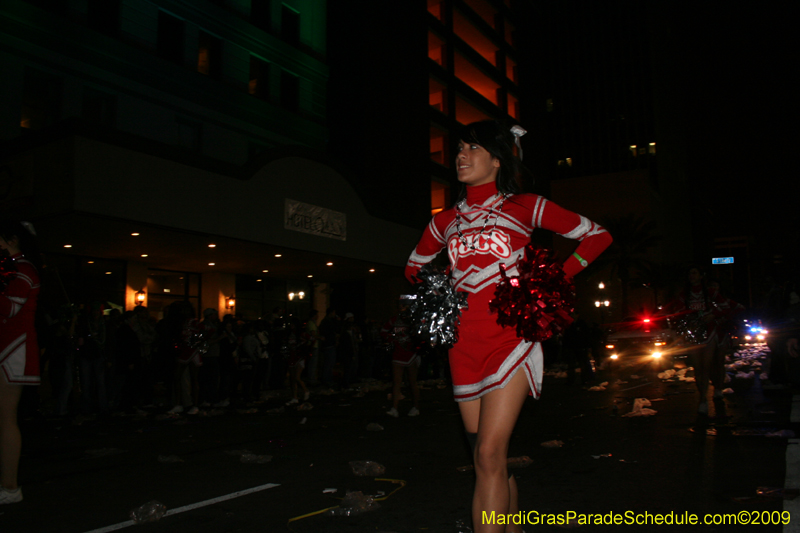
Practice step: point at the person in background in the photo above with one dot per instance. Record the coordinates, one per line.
(92, 360)
(262, 366)
(19, 350)
(348, 349)
(711, 310)
(299, 353)
(576, 350)
(329, 335)
(146, 333)
(61, 354)
(249, 353)
(209, 372)
(129, 364)
(189, 358)
(404, 358)
(228, 344)
(313, 362)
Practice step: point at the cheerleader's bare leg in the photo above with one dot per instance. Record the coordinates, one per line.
(493, 417)
(717, 377)
(703, 372)
(397, 383)
(10, 439)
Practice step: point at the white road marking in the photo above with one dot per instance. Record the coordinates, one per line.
(190, 507)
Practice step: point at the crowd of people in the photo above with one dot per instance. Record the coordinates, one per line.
(97, 364)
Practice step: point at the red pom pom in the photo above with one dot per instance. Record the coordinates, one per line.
(538, 302)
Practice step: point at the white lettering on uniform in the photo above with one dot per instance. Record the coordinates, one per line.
(496, 244)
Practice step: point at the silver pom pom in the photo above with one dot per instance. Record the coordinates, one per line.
(692, 328)
(436, 308)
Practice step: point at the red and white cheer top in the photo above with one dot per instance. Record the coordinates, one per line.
(19, 350)
(486, 355)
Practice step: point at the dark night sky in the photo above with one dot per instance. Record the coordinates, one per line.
(730, 66)
(745, 113)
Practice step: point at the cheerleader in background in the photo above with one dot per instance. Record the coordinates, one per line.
(19, 351)
(493, 370)
(707, 358)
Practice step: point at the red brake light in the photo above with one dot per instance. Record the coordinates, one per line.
(647, 320)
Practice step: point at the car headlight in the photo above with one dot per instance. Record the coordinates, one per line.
(760, 337)
(656, 355)
(609, 346)
(748, 338)
(614, 356)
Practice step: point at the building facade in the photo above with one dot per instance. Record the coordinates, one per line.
(177, 150)
(404, 79)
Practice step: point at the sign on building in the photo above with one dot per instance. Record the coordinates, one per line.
(722, 260)
(315, 220)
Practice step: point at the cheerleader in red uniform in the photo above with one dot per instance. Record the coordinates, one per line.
(19, 351)
(493, 370)
(708, 359)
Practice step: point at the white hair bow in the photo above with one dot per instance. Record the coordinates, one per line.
(518, 132)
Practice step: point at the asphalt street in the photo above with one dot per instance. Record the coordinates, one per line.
(89, 477)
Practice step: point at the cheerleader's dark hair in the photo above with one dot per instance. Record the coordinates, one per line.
(26, 239)
(498, 140)
(687, 289)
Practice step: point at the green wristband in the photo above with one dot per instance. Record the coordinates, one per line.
(584, 263)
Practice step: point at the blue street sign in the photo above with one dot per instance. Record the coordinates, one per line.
(722, 260)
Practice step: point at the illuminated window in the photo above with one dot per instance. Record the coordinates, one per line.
(436, 9)
(103, 16)
(170, 38)
(439, 146)
(651, 148)
(484, 10)
(632, 148)
(440, 196)
(437, 95)
(290, 91)
(41, 100)
(467, 113)
(475, 38)
(475, 78)
(513, 106)
(436, 49)
(290, 25)
(509, 33)
(511, 70)
(259, 78)
(209, 55)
